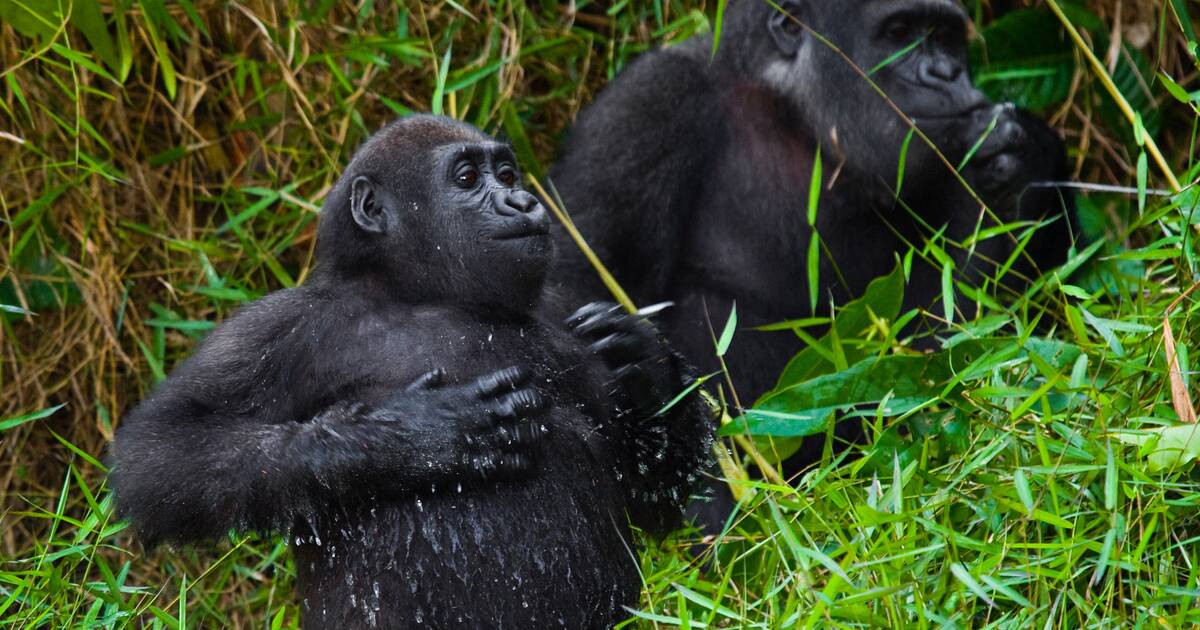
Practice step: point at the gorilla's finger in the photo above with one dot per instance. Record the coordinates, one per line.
(501, 381)
(517, 404)
(621, 347)
(484, 465)
(601, 323)
(617, 322)
(512, 463)
(590, 311)
(429, 380)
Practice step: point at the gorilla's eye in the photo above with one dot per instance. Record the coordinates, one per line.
(899, 31)
(791, 25)
(466, 176)
(507, 176)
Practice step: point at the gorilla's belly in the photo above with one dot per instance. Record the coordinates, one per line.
(542, 552)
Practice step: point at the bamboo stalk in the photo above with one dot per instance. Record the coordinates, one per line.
(627, 303)
(614, 287)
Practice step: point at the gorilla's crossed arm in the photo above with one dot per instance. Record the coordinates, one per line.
(261, 427)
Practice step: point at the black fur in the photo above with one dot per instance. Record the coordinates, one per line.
(689, 174)
(441, 453)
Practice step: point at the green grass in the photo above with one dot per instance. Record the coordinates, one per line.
(162, 163)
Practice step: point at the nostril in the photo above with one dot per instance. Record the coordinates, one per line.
(942, 71)
(522, 202)
(948, 70)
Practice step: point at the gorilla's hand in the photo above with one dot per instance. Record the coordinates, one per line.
(484, 428)
(1007, 157)
(644, 369)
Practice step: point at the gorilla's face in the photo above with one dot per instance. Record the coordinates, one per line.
(498, 233)
(918, 54)
(915, 52)
(450, 221)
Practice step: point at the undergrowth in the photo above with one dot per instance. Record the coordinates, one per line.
(162, 163)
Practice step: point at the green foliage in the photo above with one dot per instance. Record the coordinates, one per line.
(1028, 59)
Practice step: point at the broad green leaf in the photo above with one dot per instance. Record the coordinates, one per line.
(889, 385)
(963, 575)
(1165, 447)
(814, 189)
(903, 162)
(727, 333)
(1142, 169)
(814, 270)
(150, 9)
(9, 423)
(439, 90)
(35, 19)
(882, 299)
(948, 292)
(86, 16)
(1021, 483)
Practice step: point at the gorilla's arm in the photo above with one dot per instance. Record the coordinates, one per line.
(246, 434)
(630, 170)
(663, 448)
(668, 451)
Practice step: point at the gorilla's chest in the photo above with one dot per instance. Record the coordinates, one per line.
(400, 346)
(756, 238)
(547, 549)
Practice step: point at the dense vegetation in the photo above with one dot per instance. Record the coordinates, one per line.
(162, 163)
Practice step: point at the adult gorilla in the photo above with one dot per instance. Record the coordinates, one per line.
(690, 173)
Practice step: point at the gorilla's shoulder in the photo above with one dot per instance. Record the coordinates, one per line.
(261, 322)
(674, 80)
(282, 307)
(663, 102)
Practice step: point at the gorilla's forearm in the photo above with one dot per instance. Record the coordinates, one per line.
(670, 448)
(200, 477)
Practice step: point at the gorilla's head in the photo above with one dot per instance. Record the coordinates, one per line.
(435, 208)
(914, 50)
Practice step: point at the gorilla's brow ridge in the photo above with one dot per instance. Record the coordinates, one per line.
(479, 150)
(947, 10)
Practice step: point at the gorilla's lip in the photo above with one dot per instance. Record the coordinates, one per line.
(525, 231)
(957, 114)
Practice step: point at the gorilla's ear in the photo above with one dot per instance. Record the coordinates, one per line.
(785, 27)
(365, 206)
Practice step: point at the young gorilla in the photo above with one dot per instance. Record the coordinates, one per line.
(701, 166)
(442, 453)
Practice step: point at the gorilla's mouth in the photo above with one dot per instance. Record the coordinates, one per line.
(956, 115)
(523, 232)
(950, 115)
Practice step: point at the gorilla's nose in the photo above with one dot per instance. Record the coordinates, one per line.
(518, 202)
